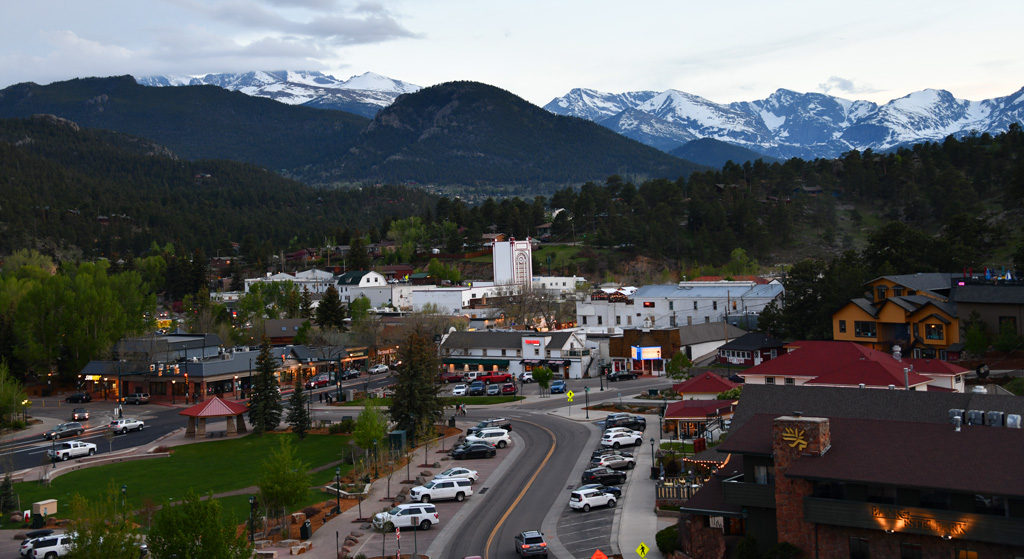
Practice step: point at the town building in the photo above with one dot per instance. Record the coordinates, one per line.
(564, 352)
(750, 349)
(313, 280)
(705, 386)
(649, 349)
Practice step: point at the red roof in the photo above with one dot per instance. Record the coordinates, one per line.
(698, 409)
(935, 366)
(707, 383)
(214, 407)
(838, 363)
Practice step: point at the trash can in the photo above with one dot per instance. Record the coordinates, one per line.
(652, 391)
(655, 472)
(451, 421)
(305, 531)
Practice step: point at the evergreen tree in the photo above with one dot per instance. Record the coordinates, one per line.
(7, 500)
(330, 315)
(416, 399)
(298, 414)
(306, 304)
(265, 403)
(358, 259)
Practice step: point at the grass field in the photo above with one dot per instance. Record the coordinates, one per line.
(210, 467)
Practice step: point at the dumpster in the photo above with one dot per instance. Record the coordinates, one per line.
(305, 531)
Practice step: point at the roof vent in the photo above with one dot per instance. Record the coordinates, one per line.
(957, 421)
(861, 385)
(798, 413)
(892, 387)
(979, 390)
(956, 413)
(975, 417)
(994, 418)
(1013, 421)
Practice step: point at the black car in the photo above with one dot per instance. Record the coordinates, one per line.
(531, 544)
(635, 422)
(604, 476)
(609, 489)
(621, 375)
(492, 423)
(477, 388)
(474, 450)
(78, 398)
(349, 374)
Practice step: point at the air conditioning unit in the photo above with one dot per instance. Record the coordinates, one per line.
(994, 418)
(975, 417)
(1013, 420)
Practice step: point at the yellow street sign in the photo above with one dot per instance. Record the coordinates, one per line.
(569, 395)
(642, 550)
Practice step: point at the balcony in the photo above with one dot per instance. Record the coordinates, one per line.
(747, 494)
(914, 520)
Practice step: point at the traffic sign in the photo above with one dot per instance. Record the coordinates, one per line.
(586, 389)
(569, 395)
(642, 550)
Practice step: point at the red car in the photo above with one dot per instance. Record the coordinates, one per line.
(508, 388)
(451, 377)
(495, 378)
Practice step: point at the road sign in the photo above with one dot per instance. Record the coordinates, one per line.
(598, 555)
(586, 389)
(642, 550)
(569, 395)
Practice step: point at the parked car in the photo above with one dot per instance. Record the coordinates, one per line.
(477, 450)
(69, 429)
(410, 515)
(531, 544)
(617, 462)
(621, 375)
(558, 387)
(589, 498)
(349, 374)
(137, 398)
(494, 437)
(31, 538)
(605, 451)
(318, 381)
(614, 430)
(508, 389)
(477, 388)
(615, 440)
(603, 476)
(526, 377)
(493, 390)
(459, 472)
(459, 390)
(124, 425)
(491, 423)
(52, 547)
(635, 422)
(378, 369)
(79, 414)
(444, 488)
(495, 377)
(71, 449)
(610, 489)
(451, 376)
(78, 398)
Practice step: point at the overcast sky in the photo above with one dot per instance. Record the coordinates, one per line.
(724, 51)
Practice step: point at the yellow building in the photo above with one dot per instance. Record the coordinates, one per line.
(912, 311)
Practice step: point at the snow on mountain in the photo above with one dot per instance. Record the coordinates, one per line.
(788, 123)
(364, 94)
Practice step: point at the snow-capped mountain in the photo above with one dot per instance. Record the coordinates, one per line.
(789, 123)
(364, 94)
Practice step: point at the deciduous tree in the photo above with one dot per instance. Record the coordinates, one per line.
(196, 529)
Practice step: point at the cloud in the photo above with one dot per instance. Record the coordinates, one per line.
(843, 85)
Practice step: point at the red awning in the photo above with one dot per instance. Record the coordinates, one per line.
(215, 407)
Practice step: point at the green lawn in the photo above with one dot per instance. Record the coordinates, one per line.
(210, 467)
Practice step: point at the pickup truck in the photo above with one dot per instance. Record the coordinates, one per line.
(71, 449)
(493, 378)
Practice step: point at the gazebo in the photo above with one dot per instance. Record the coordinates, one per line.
(214, 407)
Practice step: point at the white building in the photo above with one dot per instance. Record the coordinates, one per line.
(670, 306)
(560, 285)
(371, 284)
(315, 281)
(454, 300)
(563, 351)
(512, 262)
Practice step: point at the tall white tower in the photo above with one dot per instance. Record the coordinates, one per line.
(513, 262)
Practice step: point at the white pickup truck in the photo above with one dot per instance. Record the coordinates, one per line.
(71, 449)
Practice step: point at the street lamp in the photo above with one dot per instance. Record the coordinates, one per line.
(337, 477)
(652, 451)
(586, 398)
(124, 502)
(252, 506)
(53, 451)
(172, 391)
(376, 458)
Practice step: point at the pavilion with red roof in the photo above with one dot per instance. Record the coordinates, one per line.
(212, 408)
(705, 386)
(693, 418)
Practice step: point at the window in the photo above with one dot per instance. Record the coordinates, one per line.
(842, 326)
(714, 305)
(536, 351)
(629, 320)
(966, 554)
(707, 320)
(864, 329)
(618, 320)
(648, 304)
(910, 551)
(695, 305)
(672, 321)
(790, 380)
(880, 290)
(761, 475)
(897, 291)
(933, 331)
(584, 319)
(503, 353)
(769, 380)
(859, 549)
(600, 320)
(671, 305)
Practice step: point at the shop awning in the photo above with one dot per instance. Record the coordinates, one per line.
(475, 361)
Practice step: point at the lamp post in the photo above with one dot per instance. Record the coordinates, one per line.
(172, 391)
(53, 451)
(252, 529)
(652, 451)
(586, 398)
(337, 493)
(124, 502)
(376, 457)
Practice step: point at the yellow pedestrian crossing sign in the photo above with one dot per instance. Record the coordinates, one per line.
(642, 550)
(569, 395)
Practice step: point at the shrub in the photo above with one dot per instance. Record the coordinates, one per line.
(668, 540)
(344, 426)
(747, 549)
(311, 511)
(1016, 386)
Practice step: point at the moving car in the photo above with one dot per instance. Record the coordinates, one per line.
(621, 375)
(124, 425)
(477, 388)
(494, 437)
(558, 387)
(604, 476)
(69, 429)
(476, 450)
(459, 390)
(508, 389)
(318, 381)
(493, 390)
(615, 440)
(451, 376)
(458, 472)
(71, 449)
(78, 398)
(378, 369)
(444, 488)
(491, 423)
(531, 544)
(31, 538)
(588, 498)
(349, 374)
(137, 398)
(495, 377)
(410, 515)
(79, 414)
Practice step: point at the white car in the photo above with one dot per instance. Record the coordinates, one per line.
(622, 430)
(526, 377)
(590, 498)
(53, 546)
(124, 425)
(378, 369)
(411, 515)
(616, 440)
(71, 449)
(445, 488)
(617, 462)
(460, 390)
(459, 472)
(494, 437)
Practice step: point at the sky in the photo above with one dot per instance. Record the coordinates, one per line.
(736, 50)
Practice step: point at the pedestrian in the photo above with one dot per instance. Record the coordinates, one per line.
(320, 397)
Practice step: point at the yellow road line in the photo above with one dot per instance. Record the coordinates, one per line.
(494, 532)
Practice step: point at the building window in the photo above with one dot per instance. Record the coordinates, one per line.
(714, 305)
(966, 554)
(842, 326)
(897, 291)
(859, 549)
(761, 475)
(933, 331)
(707, 320)
(536, 351)
(910, 551)
(672, 321)
(671, 305)
(769, 380)
(618, 320)
(881, 289)
(584, 320)
(695, 305)
(790, 380)
(503, 353)
(629, 320)
(864, 329)
(600, 320)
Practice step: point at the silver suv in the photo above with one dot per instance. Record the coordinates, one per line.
(445, 488)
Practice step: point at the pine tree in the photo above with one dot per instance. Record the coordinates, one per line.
(330, 314)
(298, 414)
(7, 503)
(416, 390)
(306, 304)
(358, 259)
(265, 403)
